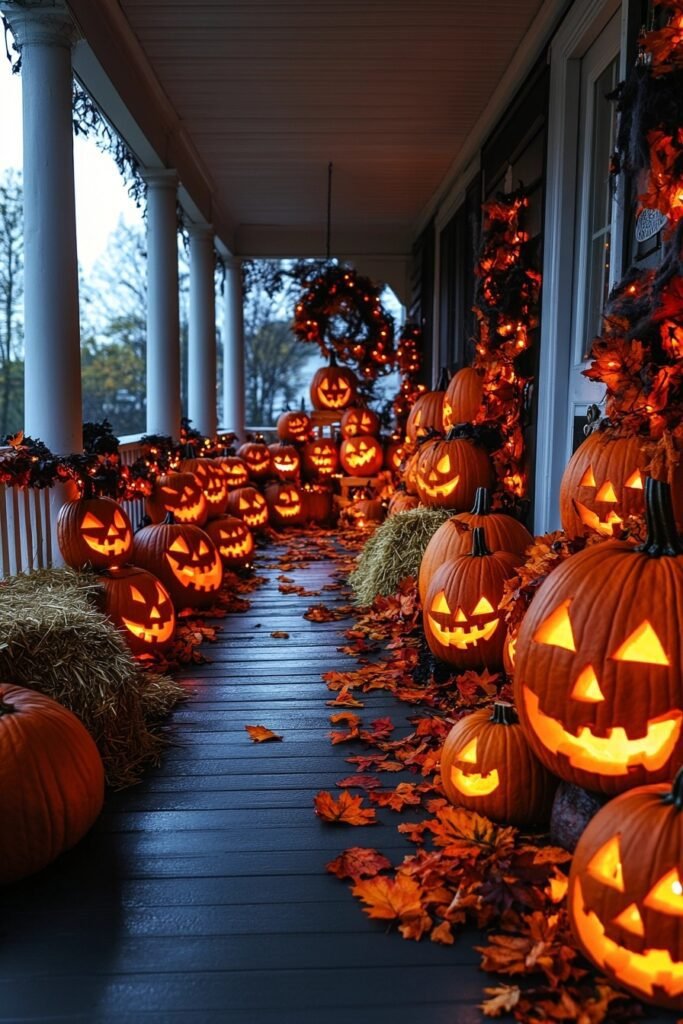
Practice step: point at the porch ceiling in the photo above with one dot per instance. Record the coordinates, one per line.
(266, 92)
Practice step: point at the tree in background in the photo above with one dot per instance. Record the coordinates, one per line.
(11, 303)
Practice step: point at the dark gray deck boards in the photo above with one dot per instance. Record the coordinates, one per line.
(201, 895)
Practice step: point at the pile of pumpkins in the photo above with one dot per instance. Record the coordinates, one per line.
(597, 669)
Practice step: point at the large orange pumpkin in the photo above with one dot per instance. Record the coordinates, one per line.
(293, 426)
(249, 505)
(185, 560)
(333, 387)
(449, 471)
(233, 541)
(461, 614)
(503, 533)
(358, 420)
(601, 485)
(179, 493)
(463, 397)
(51, 781)
(599, 660)
(488, 767)
(94, 532)
(625, 895)
(140, 607)
(361, 455)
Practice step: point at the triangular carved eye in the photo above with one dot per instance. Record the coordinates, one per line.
(324, 383)
(119, 520)
(605, 865)
(244, 504)
(606, 493)
(136, 595)
(482, 607)
(667, 894)
(91, 522)
(441, 604)
(203, 549)
(161, 595)
(556, 630)
(635, 481)
(180, 545)
(642, 646)
(418, 417)
(631, 920)
(588, 478)
(468, 752)
(444, 464)
(587, 687)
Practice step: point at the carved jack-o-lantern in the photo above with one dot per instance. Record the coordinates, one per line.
(293, 426)
(321, 458)
(94, 532)
(601, 485)
(427, 412)
(625, 895)
(599, 660)
(395, 455)
(179, 493)
(285, 504)
(357, 421)
(488, 767)
(361, 456)
(257, 458)
(234, 468)
(286, 461)
(462, 620)
(233, 541)
(185, 560)
(450, 470)
(249, 505)
(463, 397)
(213, 483)
(140, 607)
(333, 387)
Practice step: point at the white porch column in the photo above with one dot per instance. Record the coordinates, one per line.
(201, 354)
(233, 351)
(163, 327)
(52, 372)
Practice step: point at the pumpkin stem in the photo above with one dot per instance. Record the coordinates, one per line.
(662, 536)
(444, 377)
(333, 358)
(479, 546)
(189, 451)
(6, 709)
(303, 405)
(675, 794)
(169, 519)
(482, 502)
(503, 713)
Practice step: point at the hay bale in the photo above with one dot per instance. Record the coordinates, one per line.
(395, 551)
(53, 639)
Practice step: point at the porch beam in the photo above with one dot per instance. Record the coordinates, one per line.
(163, 325)
(233, 350)
(45, 34)
(201, 354)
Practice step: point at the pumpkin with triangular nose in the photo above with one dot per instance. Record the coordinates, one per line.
(599, 659)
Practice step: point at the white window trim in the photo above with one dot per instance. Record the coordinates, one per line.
(583, 24)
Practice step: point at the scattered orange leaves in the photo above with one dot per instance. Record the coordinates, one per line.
(391, 899)
(347, 810)
(260, 734)
(358, 862)
(280, 634)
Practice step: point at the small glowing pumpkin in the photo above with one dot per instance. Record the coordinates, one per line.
(184, 558)
(463, 397)
(427, 412)
(140, 607)
(361, 456)
(449, 471)
(320, 459)
(249, 505)
(286, 461)
(333, 387)
(395, 454)
(488, 767)
(212, 480)
(599, 660)
(257, 458)
(625, 896)
(286, 504)
(233, 541)
(179, 493)
(358, 420)
(94, 532)
(293, 426)
(235, 468)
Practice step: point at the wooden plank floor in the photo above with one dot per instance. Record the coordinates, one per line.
(201, 895)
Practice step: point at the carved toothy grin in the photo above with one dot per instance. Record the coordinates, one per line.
(195, 578)
(458, 636)
(287, 511)
(612, 754)
(475, 784)
(433, 490)
(115, 546)
(158, 633)
(605, 527)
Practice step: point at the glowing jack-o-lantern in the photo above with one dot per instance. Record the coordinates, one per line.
(599, 660)
(503, 533)
(293, 426)
(333, 387)
(234, 468)
(249, 505)
(233, 541)
(427, 412)
(320, 459)
(463, 397)
(357, 421)
(212, 481)
(184, 558)
(286, 461)
(285, 504)
(625, 896)
(94, 532)
(395, 454)
(361, 456)
(179, 493)
(140, 607)
(462, 620)
(257, 458)
(488, 767)
(449, 471)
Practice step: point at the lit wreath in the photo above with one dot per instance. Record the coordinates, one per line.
(342, 313)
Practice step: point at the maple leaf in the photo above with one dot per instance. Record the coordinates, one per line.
(443, 934)
(260, 734)
(501, 999)
(382, 728)
(358, 862)
(361, 781)
(347, 810)
(390, 899)
(345, 699)
(280, 634)
(16, 440)
(405, 795)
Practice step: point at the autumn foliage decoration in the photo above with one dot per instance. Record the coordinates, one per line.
(506, 308)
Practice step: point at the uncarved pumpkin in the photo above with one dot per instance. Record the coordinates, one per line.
(94, 532)
(463, 397)
(401, 501)
(599, 660)
(488, 767)
(51, 781)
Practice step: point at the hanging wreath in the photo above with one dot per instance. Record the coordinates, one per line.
(342, 312)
